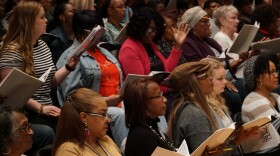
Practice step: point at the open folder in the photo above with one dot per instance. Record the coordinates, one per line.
(244, 39)
(158, 76)
(18, 87)
(93, 38)
(217, 138)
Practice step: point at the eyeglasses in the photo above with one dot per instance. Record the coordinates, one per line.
(275, 72)
(25, 128)
(160, 95)
(106, 116)
(205, 20)
(151, 30)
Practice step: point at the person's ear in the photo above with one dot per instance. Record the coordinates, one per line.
(62, 18)
(83, 117)
(222, 21)
(109, 11)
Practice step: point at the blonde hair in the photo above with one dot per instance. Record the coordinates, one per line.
(190, 92)
(20, 33)
(83, 4)
(217, 102)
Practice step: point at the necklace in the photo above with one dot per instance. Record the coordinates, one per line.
(93, 150)
(163, 138)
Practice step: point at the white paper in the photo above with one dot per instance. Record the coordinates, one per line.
(183, 149)
(91, 39)
(244, 39)
(18, 87)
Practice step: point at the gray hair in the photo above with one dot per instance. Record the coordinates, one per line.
(221, 12)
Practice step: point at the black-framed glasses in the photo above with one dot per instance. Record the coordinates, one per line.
(151, 30)
(106, 116)
(25, 128)
(159, 95)
(275, 72)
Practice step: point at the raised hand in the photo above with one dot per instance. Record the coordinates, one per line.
(180, 34)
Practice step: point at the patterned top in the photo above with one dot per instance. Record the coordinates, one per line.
(42, 57)
(165, 50)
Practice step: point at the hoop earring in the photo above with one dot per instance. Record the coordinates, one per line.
(6, 153)
(86, 130)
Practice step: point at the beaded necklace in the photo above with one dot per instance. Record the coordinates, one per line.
(164, 139)
(93, 150)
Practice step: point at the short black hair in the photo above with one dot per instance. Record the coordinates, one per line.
(58, 10)
(85, 19)
(104, 8)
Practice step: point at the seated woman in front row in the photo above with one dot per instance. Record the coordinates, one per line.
(82, 126)
(15, 132)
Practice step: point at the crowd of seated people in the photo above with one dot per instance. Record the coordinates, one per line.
(79, 110)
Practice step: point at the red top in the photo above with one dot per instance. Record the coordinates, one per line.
(110, 76)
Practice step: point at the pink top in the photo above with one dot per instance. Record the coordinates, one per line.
(135, 60)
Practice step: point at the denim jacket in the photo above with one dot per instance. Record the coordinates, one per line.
(87, 73)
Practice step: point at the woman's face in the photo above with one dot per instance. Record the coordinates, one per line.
(273, 26)
(68, 14)
(202, 28)
(23, 141)
(205, 83)
(97, 119)
(269, 81)
(219, 80)
(40, 24)
(150, 33)
(230, 22)
(168, 33)
(157, 102)
(116, 10)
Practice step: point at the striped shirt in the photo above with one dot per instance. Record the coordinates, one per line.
(256, 106)
(42, 57)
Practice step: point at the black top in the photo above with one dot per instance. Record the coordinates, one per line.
(142, 141)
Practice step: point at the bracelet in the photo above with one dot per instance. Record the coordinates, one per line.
(69, 68)
(41, 109)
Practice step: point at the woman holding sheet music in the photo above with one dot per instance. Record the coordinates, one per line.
(192, 118)
(22, 49)
(98, 70)
(261, 78)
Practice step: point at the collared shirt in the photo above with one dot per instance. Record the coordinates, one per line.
(87, 73)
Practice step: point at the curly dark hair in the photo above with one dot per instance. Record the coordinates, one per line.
(140, 22)
(265, 15)
(6, 127)
(7, 124)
